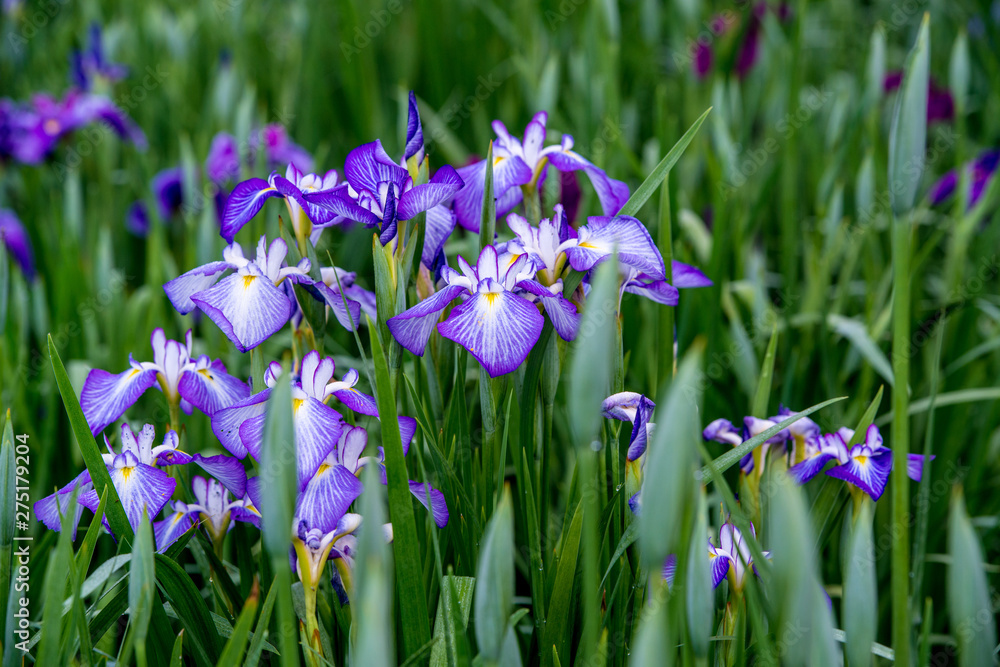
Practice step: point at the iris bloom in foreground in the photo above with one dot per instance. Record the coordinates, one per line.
(185, 381)
(494, 324)
(732, 557)
(247, 305)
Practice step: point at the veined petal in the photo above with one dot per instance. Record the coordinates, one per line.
(106, 397)
(684, 276)
(211, 388)
(368, 165)
(49, 508)
(226, 469)
(413, 327)
(508, 173)
(339, 203)
(248, 308)
(670, 569)
(612, 193)
(226, 422)
(442, 187)
(167, 531)
(720, 567)
(142, 486)
(317, 429)
(438, 507)
(809, 467)
(348, 315)
(868, 473)
(414, 133)
(252, 435)
(362, 403)
(498, 328)
(439, 226)
(244, 202)
(327, 496)
(603, 234)
(659, 291)
(562, 311)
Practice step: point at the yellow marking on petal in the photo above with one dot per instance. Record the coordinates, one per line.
(862, 460)
(297, 403)
(126, 473)
(491, 297)
(248, 281)
(322, 469)
(204, 371)
(497, 160)
(587, 244)
(178, 516)
(135, 371)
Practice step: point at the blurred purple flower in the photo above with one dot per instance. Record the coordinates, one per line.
(702, 61)
(15, 238)
(940, 105)
(279, 149)
(89, 64)
(223, 162)
(168, 188)
(983, 168)
(137, 219)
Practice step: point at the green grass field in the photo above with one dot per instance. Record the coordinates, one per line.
(792, 152)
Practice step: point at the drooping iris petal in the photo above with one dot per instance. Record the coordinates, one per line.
(867, 470)
(414, 132)
(612, 193)
(327, 496)
(720, 567)
(809, 467)
(445, 183)
(167, 532)
(226, 422)
(413, 327)
(686, 276)
(390, 220)
(183, 287)
(347, 311)
(658, 290)
(226, 469)
(602, 234)
(49, 508)
(106, 397)
(248, 308)
(915, 466)
(369, 165)
(438, 508)
(317, 429)
(338, 203)
(142, 487)
(640, 429)
(562, 311)
(497, 327)
(211, 388)
(440, 224)
(508, 174)
(244, 202)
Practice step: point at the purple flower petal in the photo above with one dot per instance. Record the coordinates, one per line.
(327, 497)
(413, 327)
(226, 469)
(442, 187)
(226, 422)
(244, 202)
(15, 237)
(685, 276)
(338, 203)
(438, 508)
(183, 287)
(414, 132)
(142, 487)
(720, 568)
(349, 316)
(915, 466)
(106, 397)
(508, 173)
(611, 193)
(440, 224)
(670, 569)
(167, 532)
(364, 404)
(602, 234)
(317, 429)
(497, 327)
(248, 308)
(49, 508)
(870, 473)
(368, 165)
(562, 311)
(223, 161)
(658, 290)
(211, 388)
(809, 467)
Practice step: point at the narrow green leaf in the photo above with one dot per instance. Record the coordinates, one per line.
(860, 611)
(495, 581)
(7, 509)
(186, 600)
(866, 420)
(86, 551)
(593, 354)
(451, 646)
(725, 461)
(854, 331)
(629, 537)
(177, 653)
(958, 71)
(372, 628)
(948, 398)
(763, 393)
(969, 606)
(558, 630)
(655, 178)
(908, 134)
(53, 591)
(232, 653)
(700, 596)
(671, 461)
(653, 645)
(257, 643)
(142, 585)
(91, 454)
(405, 545)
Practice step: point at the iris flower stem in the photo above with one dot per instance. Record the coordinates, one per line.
(901, 249)
(532, 204)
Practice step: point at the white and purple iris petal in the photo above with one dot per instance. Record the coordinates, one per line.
(509, 173)
(602, 235)
(685, 276)
(561, 311)
(734, 549)
(868, 464)
(248, 305)
(346, 392)
(167, 531)
(141, 487)
(638, 410)
(199, 383)
(51, 509)
(612, 193)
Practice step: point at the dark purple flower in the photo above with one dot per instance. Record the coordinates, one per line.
(749, 51)
(279, 149)
(89, 64)
(982, 170)
(168, 188)
(15, 238)
(414, 133)
(702, 61)
(223, 162)
(137, 219)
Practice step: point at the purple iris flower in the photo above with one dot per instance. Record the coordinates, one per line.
(248, 198)
(414, 133)
(496, 325)
(90, 64)
(983, 168)
(213, 508)
(85, 108)
(168, 191)
(137, 219)
(318, 426)
(14, 237)
(137, 477)
(279, 149)
(223, 162)
(638, 410)
(701, 63)
(185, 380)
(337, 282)
(382, 194)
(722, 430)
(732, 557)
(866, 465)
(248, 305)
(522, 162)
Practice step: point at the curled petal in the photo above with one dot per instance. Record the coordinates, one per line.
(244, 202)
(413, 327)
(612, 193)
(226, 422)
(106, 397)
(438, 506)
(211, 388)
(369, 165)
(226, 469)
(442, 187)
(183, 287)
